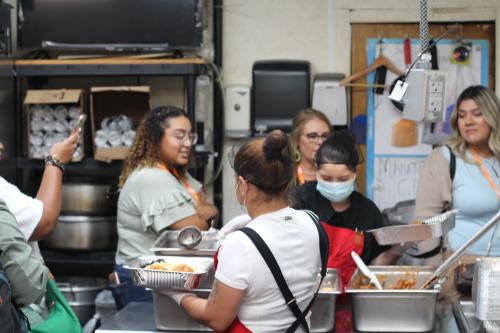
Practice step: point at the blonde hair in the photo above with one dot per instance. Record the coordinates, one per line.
(489, 104)
(301, 119)
(144, 150)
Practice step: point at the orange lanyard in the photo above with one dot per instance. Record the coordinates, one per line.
(183, 181)
(301, 179)
(485, 172)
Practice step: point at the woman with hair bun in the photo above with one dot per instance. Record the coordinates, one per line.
(345, 213)
(245, 296)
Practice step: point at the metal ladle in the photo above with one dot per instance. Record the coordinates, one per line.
(189, 237)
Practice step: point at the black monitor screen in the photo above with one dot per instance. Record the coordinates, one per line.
(129, 23)
(278, 96)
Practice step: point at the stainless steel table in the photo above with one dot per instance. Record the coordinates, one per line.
(138, 317)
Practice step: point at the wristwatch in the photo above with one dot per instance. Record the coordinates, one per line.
(55, 162)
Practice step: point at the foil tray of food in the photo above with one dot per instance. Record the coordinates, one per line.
(433, 227)
(401, 306)
(155, 272)
(167, 245)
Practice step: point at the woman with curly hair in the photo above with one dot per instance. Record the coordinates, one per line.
(157, 193)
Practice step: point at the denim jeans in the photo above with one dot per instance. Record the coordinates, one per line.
(127, 291)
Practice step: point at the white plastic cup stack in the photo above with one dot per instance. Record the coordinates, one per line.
(486, 288)
(115, 131)
(50, 125)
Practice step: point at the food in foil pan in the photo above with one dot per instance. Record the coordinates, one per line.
(162, 265)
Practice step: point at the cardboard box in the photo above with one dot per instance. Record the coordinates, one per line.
(52, 102)
(105, 102)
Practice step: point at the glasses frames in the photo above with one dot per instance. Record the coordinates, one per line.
(185, 137)
(314, 137)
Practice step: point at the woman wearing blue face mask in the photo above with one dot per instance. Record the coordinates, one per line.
(345, 213)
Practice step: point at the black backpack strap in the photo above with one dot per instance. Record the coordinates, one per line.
(452, 163)
(276, 271)
(324, 243)
(324, 248)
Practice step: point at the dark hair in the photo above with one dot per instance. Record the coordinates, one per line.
(144, 150)
(339, 148)
(267, 163)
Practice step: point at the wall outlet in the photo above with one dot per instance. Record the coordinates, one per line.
(425, 97)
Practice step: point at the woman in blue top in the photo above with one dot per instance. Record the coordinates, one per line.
(474, 188)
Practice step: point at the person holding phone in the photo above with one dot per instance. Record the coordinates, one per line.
(37, 217)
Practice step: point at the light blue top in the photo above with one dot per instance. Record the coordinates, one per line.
(477, 204)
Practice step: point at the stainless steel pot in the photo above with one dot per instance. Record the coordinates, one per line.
(81, 198)
(81, 293)
(83, 233)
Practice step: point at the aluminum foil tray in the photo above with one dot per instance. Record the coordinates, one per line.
(154, 279)
(433, 227)
(486, 288)
(167, 245)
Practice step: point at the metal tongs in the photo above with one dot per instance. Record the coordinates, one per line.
(437, 275)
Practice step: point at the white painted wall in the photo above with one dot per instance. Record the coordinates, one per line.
(270, 29)
(320, 31)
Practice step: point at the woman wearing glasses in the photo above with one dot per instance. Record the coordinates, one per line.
(309, 129)
(156, 193)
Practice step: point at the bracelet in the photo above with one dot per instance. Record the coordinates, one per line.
(55, 162)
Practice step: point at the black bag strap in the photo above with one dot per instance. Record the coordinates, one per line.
(276, 271)
(278, 275)
(452, 162)
(324, 249)
(324, 243)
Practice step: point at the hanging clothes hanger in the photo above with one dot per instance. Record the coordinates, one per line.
(381, 60)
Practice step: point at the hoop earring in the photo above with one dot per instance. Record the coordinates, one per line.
(297, 155)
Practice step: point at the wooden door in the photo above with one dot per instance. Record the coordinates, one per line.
(362, 32)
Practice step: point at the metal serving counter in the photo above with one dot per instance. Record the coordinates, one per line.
(138, 317)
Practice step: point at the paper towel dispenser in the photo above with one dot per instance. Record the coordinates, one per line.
(330, 98)
(281, 88)
(237, 112)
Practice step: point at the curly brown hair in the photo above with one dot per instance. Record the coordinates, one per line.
(144, 150)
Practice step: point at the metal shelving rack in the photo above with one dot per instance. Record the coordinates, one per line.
(98, 67)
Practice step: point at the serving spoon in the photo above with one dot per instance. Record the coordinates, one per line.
(365, 270)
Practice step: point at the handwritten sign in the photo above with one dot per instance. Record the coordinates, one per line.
(395, 180)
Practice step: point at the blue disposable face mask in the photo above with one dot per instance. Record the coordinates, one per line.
(335, 191)
(243, 206)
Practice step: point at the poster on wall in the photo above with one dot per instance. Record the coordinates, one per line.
(397, 147)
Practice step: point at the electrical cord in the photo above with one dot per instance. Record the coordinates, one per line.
(218, 81)
(405, 76)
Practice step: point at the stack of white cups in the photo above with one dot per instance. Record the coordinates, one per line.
(49, 125)
(115, 132)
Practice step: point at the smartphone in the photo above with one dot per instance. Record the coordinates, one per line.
(80, 122)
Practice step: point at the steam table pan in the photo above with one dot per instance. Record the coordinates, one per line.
(433, 227)
(393, 310)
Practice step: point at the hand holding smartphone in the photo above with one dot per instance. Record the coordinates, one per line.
(80, 122)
